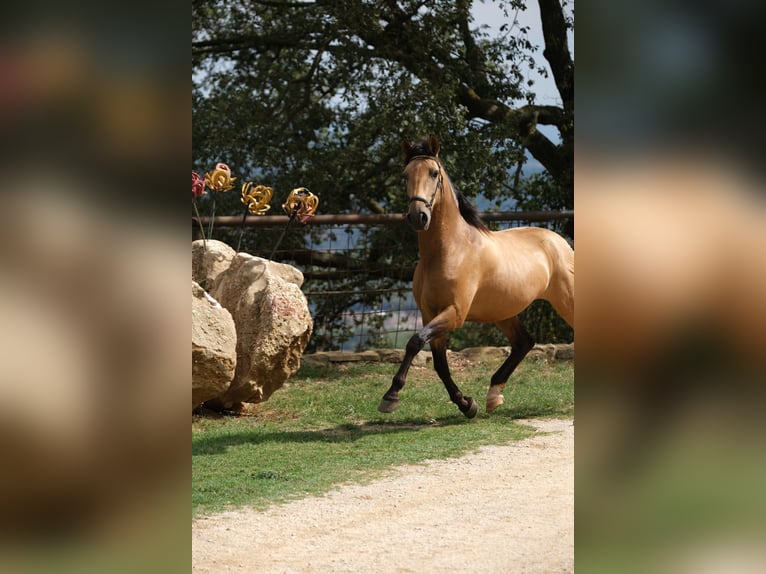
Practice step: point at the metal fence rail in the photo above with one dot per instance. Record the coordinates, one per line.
(360, 299)
(380, 218)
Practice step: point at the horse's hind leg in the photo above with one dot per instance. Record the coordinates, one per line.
(521, 344)
(466, 404)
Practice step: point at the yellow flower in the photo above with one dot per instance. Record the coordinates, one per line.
(302, 203)
(220, 178)
(256, 199)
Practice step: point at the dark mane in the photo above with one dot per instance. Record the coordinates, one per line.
(469, 212)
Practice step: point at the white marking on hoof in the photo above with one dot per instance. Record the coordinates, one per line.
(495, 397)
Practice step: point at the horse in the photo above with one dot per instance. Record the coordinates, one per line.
(466, 272)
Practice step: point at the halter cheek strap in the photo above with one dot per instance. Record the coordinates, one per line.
(428, 202)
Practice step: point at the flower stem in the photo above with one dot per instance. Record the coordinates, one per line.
(212, 220)
(199, 222)
(284, 232)
(242, 228)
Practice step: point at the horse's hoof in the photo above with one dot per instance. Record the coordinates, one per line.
(472, 409)
(388, 406)
(494, 402)
(494, 397)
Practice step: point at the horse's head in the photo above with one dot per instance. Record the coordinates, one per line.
(423, 176)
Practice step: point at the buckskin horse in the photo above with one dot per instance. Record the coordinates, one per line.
(466, 272)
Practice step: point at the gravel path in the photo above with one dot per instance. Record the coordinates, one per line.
(505, 509)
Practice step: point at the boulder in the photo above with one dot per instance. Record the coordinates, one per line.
(209, 259)
(214, 354)
(273, 325)
(208, 263)
(285, 272)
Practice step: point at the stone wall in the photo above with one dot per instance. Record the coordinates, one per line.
(557, 352)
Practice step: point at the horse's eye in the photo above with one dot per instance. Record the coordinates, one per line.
(434, 173)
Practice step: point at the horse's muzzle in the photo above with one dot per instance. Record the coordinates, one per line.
(419, 217)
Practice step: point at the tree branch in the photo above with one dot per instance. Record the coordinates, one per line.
(547, 153)
(339, 265)
(495, 111)
(229, 44)
(556, 50)
(473, 54)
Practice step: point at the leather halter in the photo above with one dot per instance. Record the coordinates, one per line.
(439, 184)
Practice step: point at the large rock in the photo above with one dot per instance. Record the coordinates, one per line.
(283, 271)
(214, 353)
(209, 262)
(209, 259)
(273, 325)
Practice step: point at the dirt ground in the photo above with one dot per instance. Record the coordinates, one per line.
(505, 509)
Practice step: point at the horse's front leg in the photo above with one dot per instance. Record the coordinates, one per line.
(433, 332)
(390, 401)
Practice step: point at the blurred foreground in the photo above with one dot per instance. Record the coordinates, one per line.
(94, 363)
(671, 288)
(671, 365)
(93, 374)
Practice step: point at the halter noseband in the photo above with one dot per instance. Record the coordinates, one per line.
(428, 203)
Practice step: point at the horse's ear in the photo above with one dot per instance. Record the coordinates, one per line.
(434, 145)
(406, 150)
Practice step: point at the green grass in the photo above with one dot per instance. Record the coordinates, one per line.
(323, 428)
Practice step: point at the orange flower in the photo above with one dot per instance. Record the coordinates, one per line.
(302, 203)
(220, 178)
(256, 199)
